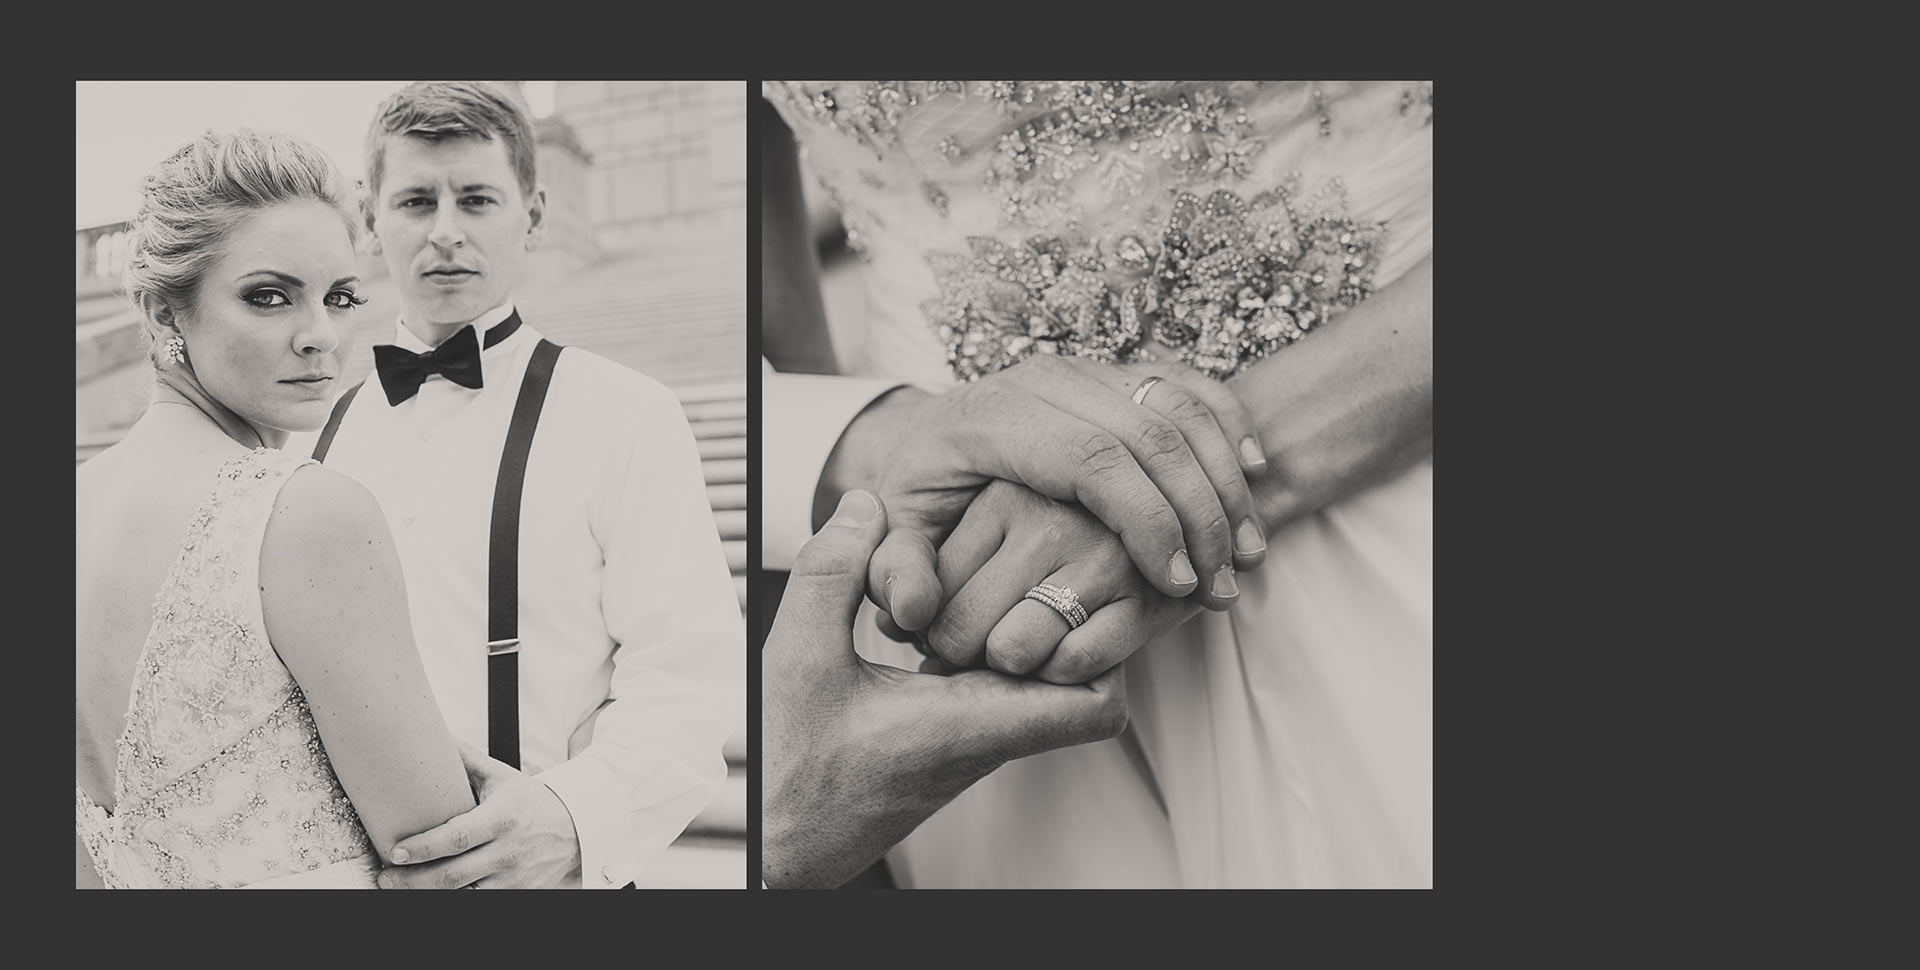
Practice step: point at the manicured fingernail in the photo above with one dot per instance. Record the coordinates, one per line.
(1183, 570)
(1247, 539)
(400, 856)
(857, 508)
(1250, 453)
(1223, 585)
(385, 881)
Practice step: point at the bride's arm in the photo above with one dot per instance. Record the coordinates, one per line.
(1349, 405)
(335, 605)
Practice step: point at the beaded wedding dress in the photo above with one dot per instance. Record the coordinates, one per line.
(220, 779)
(1287, 742)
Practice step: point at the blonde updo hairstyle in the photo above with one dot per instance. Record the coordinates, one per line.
(194, 199)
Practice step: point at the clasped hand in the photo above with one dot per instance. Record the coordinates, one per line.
(1012, 537)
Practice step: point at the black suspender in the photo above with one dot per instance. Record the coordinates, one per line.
(503, 558)
(503, 550)
(333, 422)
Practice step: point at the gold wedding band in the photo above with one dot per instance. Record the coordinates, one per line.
(1063, 600)
(1140, 393)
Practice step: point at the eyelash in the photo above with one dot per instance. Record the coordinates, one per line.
(422, 203)
(353, 300)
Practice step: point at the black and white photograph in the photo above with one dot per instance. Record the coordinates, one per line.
(411, 471)
(1096, 484)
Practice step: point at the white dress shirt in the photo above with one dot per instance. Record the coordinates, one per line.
(802, 417)
(632, 651)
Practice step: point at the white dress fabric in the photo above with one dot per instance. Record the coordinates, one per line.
(220, 779)
(1287, 742)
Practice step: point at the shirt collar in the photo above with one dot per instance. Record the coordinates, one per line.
(405, 339)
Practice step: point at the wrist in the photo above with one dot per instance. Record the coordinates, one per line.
(861, 453)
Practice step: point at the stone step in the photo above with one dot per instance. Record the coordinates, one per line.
(723, 497)
(702, 393)
(730, 428)
(722, 448)
(724, 471)
(715, 410)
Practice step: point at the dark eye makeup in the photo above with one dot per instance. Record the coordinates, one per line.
(268, 298)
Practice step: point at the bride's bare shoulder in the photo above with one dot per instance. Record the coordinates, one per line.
(322, 509)
(327, 559)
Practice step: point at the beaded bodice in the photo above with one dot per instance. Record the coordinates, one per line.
(220, 778)
(1222, 220)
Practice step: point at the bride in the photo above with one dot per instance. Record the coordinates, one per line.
(249, 708)
(1269, 243)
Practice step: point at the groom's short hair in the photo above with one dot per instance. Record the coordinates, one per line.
(433, 110)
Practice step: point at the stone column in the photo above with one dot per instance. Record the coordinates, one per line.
(569, 245)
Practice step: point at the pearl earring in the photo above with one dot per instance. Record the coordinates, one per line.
(174, 351)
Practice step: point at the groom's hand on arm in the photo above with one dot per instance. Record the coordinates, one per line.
(520, 836)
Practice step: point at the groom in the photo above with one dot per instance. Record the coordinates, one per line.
(602, 689)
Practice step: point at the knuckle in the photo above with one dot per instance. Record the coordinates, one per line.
(949, 639)
(1186, 407)
(827, 560)
(1053, 532)
(1215, 528)
(1074, 662)
(1161, 441)
(1015, 654)
(1101, 454)
(462, 840)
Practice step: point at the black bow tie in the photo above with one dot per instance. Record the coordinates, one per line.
(457, 359)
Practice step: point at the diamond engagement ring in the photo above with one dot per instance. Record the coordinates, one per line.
(1140, 393)
(1064, 602)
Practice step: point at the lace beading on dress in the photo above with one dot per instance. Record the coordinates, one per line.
(220, 778)
(1116, 212)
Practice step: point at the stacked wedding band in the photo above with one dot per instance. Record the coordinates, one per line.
(1064, 602)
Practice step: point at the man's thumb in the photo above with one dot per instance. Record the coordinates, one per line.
(830, 576)
(1013, 718)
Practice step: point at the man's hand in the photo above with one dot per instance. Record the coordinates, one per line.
(1167, 474)
(520, 836)
(856, 755)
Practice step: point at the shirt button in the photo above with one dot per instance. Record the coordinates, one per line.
(407, 521)
(606, 874)
(424, 436)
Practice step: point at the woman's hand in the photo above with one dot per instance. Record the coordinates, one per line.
(1011, 540)
(1162, 474)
